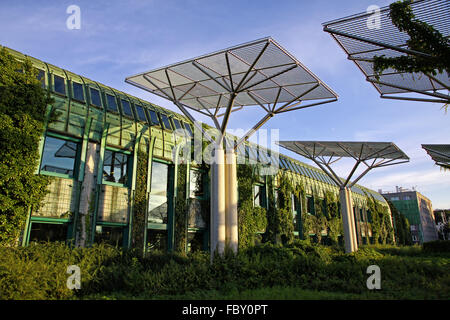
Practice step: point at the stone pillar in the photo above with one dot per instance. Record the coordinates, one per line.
(218, 202)
(87, 196)
(348, 220)
(231, 201)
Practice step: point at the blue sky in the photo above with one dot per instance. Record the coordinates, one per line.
(121, 38)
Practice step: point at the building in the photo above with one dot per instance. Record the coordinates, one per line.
(95, 150)
(441, 217)
(418, 210)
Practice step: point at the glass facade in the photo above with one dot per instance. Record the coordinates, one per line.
(95, 97)
(166, 122)
(109, 235)
(41, 77)
(59, 156)
(126, 108)
(157, 240)
(153, 118)
(59, 85)
(48, 232)
(112, 104)
(258, 196)
(141, 113)
(115, 167)
(195, 183)
(158, 193)
(78, 92)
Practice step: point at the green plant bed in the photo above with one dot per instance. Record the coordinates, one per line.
(40, 272)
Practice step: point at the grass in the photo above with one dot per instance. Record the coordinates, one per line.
(300, 271)
(274, 293)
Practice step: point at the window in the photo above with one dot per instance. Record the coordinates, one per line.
(78, 93)
(166, 121)
(59, 85)
(296, 212)
(154, 118)
(310, 205)
(48, 232)
(395, 198)
(109, 235)
(41, 77)
(156, 240)
(187, 126)
(369, 216)
(176, 123)
(126, 108)
(407, 198)
(95, 97)
(194, 241)
(258, 196)
(115, 167)
(140, 113)
(158, 193)
(195, 183)
(112, 104)
(59, 156)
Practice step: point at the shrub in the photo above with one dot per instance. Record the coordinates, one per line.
(39, 271)
(437, 246)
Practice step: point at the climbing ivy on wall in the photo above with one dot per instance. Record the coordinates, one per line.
(334, 221)
(181, 209)
(382, 230)
(251, 220)
(140, 202)
(23, 103)
(280, 224)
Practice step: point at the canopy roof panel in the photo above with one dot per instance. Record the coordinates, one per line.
(382, 154)
(362, 44)
(259, 72)
(357, 150)
(440, 153)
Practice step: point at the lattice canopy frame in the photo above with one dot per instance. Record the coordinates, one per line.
(325, 153)
(258, 73)
(440, 153)
(362, 44)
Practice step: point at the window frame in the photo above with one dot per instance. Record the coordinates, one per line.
(73, 92)
(76, 165)
(99, 96)
(129, 169)
(151, 119)
(64, 85)
(108, 109)
(122, 100)
(138, 118)
(165, 117)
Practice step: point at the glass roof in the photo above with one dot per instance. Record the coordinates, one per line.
(362, 44)
(440, 153)
(260, 72)
(357, 150)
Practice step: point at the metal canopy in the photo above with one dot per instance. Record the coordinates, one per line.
(440, 153)
(258, 73)
(325, 153)
(362, 44)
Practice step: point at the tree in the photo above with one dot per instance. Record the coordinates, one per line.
(423, 38)
(23, 103)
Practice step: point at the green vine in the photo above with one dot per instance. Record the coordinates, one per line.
(181, 210)
(252, 221)
(280, 227)
(423, 38)
(140, 202)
